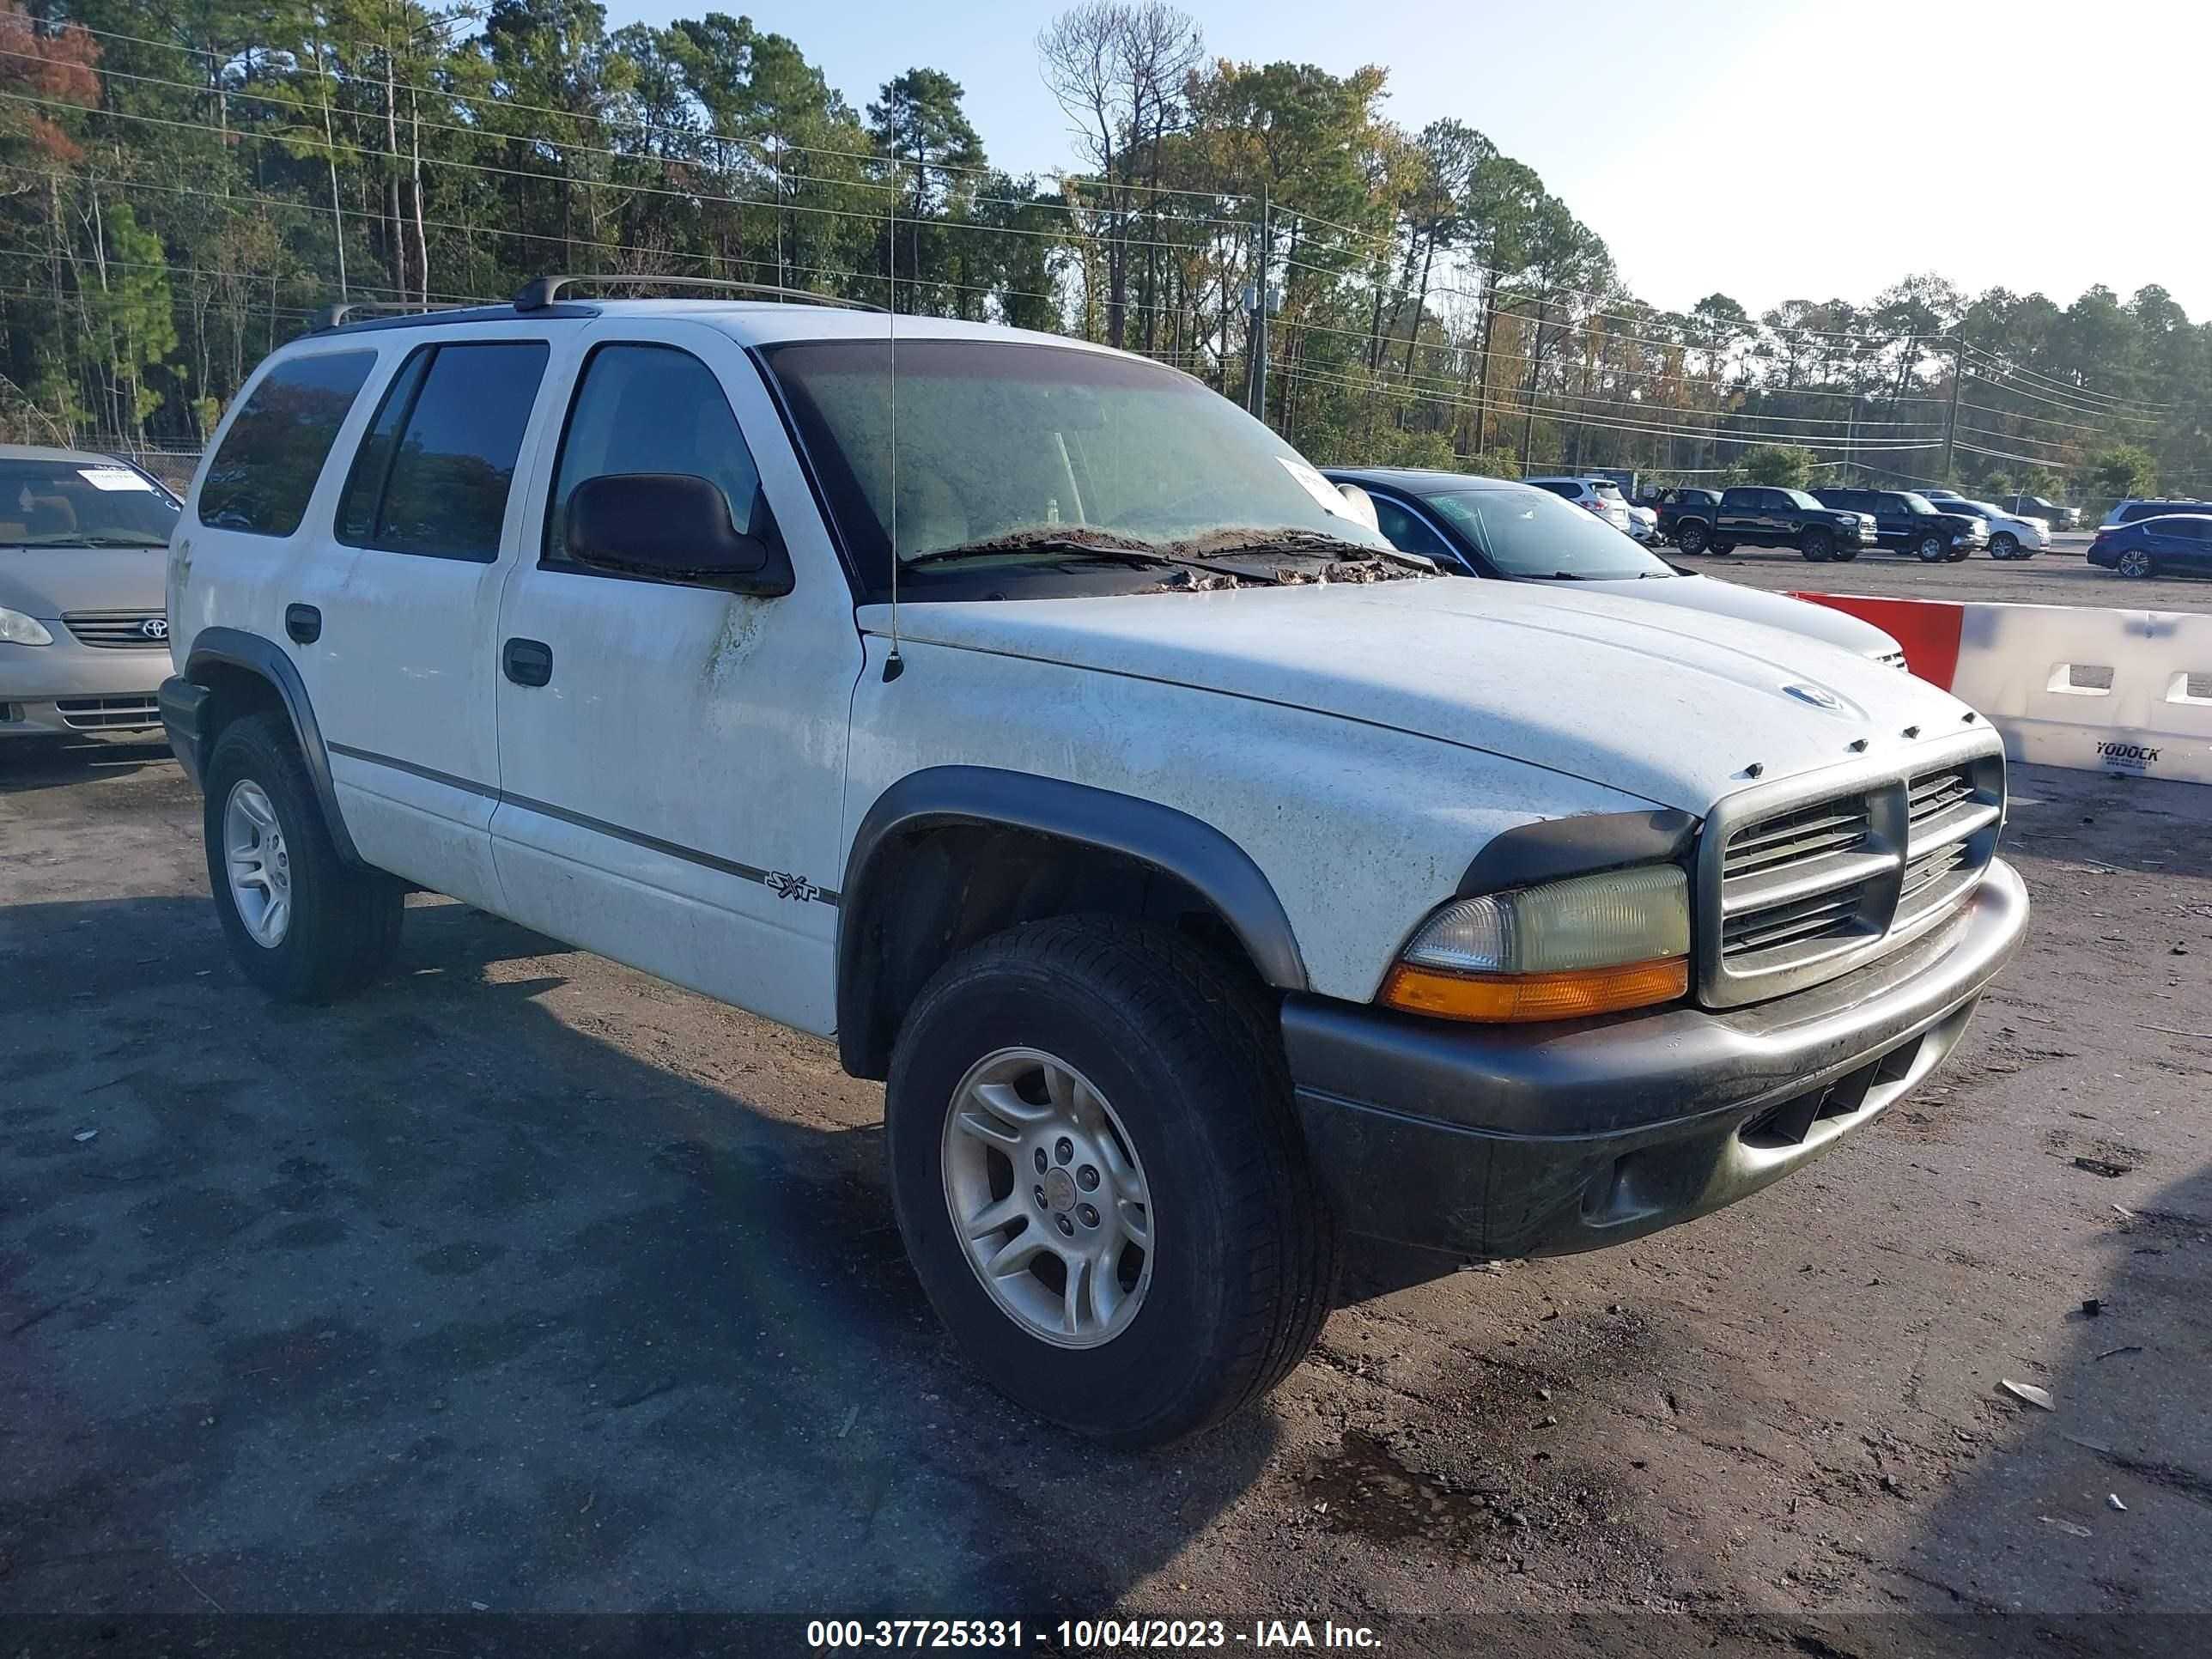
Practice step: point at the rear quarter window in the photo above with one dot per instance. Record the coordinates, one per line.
(266, 470)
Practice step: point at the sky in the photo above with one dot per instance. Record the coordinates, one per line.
(1771, 151)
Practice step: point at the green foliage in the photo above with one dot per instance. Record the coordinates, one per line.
(1786, 466)
(2121, 470)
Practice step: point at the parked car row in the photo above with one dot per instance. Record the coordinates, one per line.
(1489, 528)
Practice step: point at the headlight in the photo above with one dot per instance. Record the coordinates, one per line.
(1590, 944)
(16, 628)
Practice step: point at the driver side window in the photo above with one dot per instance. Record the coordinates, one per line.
(1407, 533)
(646, 408)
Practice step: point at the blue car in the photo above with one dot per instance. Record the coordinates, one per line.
(2172, 543)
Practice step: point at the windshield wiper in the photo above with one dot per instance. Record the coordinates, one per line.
(89, 541)
(1291, 539)
(1099, 545)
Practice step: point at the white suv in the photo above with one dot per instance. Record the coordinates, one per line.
(1207, 878)
(1599, 496)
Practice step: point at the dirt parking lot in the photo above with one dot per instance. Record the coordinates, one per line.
(2060, 576)
(526, 1283)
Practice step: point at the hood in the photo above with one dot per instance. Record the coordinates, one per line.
(1665, 702)
(1726, 598)
(47, 581)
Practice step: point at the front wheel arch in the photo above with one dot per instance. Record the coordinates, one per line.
(950, 856)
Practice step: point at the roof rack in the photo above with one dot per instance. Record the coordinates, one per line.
(539, 292)
(336, 316)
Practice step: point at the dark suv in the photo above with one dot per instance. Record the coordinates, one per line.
(1906, 523)
(1758, 515)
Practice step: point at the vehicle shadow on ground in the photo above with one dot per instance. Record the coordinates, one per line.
(2094, 824)
(2033, 1525)
(441, 1297)
(32, 763)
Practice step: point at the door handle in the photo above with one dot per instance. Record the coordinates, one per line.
(303, 622)
(527, 662)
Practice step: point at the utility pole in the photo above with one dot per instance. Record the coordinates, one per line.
(1535, 372)
(1258, 403)
(1951, 415)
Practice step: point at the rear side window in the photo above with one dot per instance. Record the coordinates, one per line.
(433, 470)
(645, 408)
(261, 477)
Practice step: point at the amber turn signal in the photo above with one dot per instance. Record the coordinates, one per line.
(1517, 998)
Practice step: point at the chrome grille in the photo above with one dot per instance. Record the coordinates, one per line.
(106, 713)
(1806, 878)
(119, 631)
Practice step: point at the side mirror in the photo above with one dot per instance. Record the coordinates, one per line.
(670, 527)
(1360, 505)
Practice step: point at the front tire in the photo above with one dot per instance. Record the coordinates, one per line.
(2136, 564)
(302, 924)
(1932, 549)
(2004, 545)
(1819, 546)
(1691, 538)
(1073, 1061)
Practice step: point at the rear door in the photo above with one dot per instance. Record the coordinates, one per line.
(389, 615)
(1737, 519)
(672, 755)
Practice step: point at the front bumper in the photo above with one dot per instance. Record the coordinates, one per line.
(68, 687)
(1538, 1140)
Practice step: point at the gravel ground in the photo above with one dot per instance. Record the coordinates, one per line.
(526, 1282)
(2059, 576)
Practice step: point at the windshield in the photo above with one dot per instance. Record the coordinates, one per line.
(1981, 509)
(1916, 503)
(81, 501)
(1798, 498)
(1041, 452)
(1526, 532)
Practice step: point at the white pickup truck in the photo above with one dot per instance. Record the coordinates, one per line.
(1207, 878)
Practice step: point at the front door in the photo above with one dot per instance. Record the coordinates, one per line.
(672, 757)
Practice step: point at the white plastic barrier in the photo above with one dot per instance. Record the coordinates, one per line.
(2097, 689)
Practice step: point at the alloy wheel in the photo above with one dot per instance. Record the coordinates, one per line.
(259, 863)
(1049, 1197)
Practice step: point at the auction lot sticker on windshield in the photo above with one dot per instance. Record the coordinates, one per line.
(112, 477)
(1330, 497)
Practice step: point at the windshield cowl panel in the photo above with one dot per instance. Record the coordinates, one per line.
(1024, 455)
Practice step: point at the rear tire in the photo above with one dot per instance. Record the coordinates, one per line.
(2136, 564)
(1722, 549)
(303, 925)
(1172, 1069)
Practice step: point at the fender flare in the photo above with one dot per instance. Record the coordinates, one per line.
(1184, 846)
(234, 648)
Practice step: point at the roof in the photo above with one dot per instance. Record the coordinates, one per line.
(750, 322)
(45, 452)
(1420, 481)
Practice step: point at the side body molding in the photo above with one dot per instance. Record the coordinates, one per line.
(1186, 847)
(234, 648)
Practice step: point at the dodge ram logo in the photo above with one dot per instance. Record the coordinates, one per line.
(1814, 694)
(154, 628)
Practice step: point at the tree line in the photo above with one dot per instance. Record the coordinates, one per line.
(183, 187)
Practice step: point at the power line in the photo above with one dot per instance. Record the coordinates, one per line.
(299, 66)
